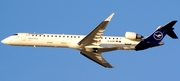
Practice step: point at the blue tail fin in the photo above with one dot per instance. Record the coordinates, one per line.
(161, 32)
(155, 38)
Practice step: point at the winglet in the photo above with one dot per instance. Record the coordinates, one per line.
(115, 65)
(109, 18)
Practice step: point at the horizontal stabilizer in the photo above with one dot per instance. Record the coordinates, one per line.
(169, 25)
(170, 29)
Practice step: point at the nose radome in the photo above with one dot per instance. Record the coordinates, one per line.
(5, 41)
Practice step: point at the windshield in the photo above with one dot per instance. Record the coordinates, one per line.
(15, 34)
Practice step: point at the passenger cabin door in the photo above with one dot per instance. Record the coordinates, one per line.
(24, 37)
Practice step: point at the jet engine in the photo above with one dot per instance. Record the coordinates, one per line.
(133, 36)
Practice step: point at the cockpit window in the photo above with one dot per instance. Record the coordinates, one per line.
(15, 34)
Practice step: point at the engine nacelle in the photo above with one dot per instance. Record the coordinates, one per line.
(133, 36)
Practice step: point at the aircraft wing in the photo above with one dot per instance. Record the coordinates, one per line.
(94, 37)
(96, 57)
(92, 40)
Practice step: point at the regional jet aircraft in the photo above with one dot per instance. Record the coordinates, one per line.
(94, 44)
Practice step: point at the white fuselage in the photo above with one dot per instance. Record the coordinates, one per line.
(66, 41)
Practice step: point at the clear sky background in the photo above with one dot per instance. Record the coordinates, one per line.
(80, 17)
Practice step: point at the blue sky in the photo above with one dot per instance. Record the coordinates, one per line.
(80, 17)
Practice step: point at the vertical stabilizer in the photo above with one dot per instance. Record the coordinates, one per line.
(161, 32)
(156, 37)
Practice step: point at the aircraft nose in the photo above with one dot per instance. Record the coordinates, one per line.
(5, 41)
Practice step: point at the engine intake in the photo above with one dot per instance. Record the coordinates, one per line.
(133, 36)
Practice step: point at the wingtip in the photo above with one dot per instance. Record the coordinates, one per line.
(110, 17)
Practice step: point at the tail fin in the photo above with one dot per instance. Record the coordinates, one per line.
(161, 31)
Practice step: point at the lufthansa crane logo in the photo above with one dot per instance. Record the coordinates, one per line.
(158, 35)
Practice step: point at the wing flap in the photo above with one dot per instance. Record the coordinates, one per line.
(96, 57)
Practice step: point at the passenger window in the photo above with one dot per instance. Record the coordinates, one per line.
(74, 36)
(59, 36)
(63, 36)
(56, 36)
(78, 36)
(47, 35)
(51, 35)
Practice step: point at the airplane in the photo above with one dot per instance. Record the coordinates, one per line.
(94, 44)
